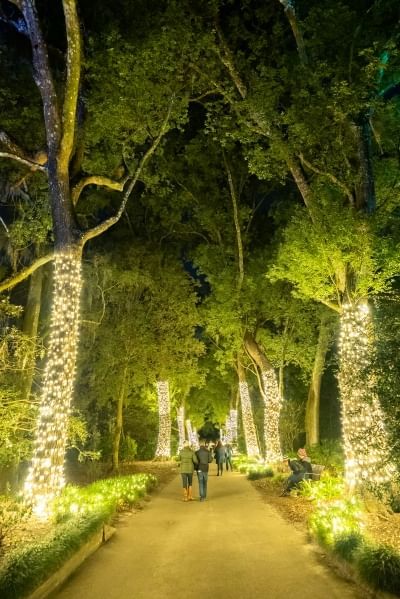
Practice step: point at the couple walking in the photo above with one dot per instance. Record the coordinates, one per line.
(194, 460)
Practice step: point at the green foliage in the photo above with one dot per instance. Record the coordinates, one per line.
(328, 488)
(79, 513)
(257, 472)
(380, 567)
(12, 513)
(346, 545)
(337, 517)
(330, 454)
(128, 449)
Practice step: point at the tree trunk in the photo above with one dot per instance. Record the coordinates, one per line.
(30, 328)
(46, 474)
(272, 400)
(314, 393)
(119, 421)
(249, 428)
(163, 450)
(180, 418)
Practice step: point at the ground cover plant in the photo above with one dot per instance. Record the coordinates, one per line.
(78, 514)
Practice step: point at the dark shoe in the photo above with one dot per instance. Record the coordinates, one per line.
(284, 494)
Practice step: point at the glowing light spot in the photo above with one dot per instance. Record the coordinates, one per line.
(248, 422)
(163, 449)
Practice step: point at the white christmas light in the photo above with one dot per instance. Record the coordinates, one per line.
(272, 411)
(180, 419)
(248, 421)
(364, 435)
(46, 474)
(163, 449)
(192, 434)
(233, 419)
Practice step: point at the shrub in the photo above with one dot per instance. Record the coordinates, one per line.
(262, 472)
(12, 512)
(334, 519)
(325, 489)
(345, 545)
(329, 453)
(79, 512)
(380, 567)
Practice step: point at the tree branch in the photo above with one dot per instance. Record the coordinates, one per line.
(334, 179)
(72, 82)
(226, 58)
(96, 180)
(33, 165)
(99, 229)
(42, 75)
(237, 224)
(297, 33)
(25, 273)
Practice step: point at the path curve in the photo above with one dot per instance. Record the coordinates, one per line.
(232, 546)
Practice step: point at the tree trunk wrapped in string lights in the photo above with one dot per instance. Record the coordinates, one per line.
(233, 424)
(272, 412)
(249, 428)
(180, 420)
(163, 450)
(46, 474)
(364, 435)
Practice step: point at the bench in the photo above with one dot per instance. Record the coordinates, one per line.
(317, 470)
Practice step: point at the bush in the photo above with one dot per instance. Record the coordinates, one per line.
(330, 454)
(261, 472)
(325, 489)
(346, 545)
(334, 519)
(380, 567)
(78, 513)
(12, 512)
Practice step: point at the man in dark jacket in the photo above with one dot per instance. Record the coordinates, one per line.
(300, 469)
(204, 458)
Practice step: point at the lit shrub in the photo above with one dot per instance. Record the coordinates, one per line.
(255, 473)
(327, 488)
(334, 519)
(345, 545)
(380, 567)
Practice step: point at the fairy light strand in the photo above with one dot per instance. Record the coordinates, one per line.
(248, 421)
(163, 449)
(364, 435)
(46, 474)
(272, 411)
(180, 420)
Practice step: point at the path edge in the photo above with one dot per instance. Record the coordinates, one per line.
(60, 576)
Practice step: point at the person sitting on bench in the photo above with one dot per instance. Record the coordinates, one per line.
(300, 468)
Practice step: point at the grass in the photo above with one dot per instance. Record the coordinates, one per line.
(379, 566)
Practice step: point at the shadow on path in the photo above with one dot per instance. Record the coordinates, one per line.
(232, 546)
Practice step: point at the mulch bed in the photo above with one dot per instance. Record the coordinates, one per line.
(380, 525)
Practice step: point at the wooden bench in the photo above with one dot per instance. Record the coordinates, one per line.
(317, 470)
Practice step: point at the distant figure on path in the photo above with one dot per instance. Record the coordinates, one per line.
(228, 456)
(220, 457)
(188, 459)
(204, 458)
(299, 468)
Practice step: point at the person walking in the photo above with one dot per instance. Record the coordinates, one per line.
(204, 458)
(188, 459)
(220, 457)
(228, 456)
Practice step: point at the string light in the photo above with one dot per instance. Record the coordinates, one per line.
(248, 422)
(364, 435)
(180, 419)
(163, 449)
(272, 410)
(192, 435)
(46, 474)
(233, 418)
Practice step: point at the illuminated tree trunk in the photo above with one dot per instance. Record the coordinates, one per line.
(314, 393)
(180, 419)
(272, 400)
(365, 439)
(46, 474)
(249, 428)
(30, 328)
(119, 421)
(163, 450)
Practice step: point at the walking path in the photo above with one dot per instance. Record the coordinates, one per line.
(232, 546)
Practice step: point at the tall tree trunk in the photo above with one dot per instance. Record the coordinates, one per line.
(272, 400)
(119, 421)
(365, 439)
(30, 328)
(249, 428)
(163, 450)
(46, 474)
(314, 392)
(180, 419)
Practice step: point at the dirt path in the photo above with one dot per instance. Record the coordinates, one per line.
(232, 546)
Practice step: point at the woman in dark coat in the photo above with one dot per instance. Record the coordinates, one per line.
(220, 457)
